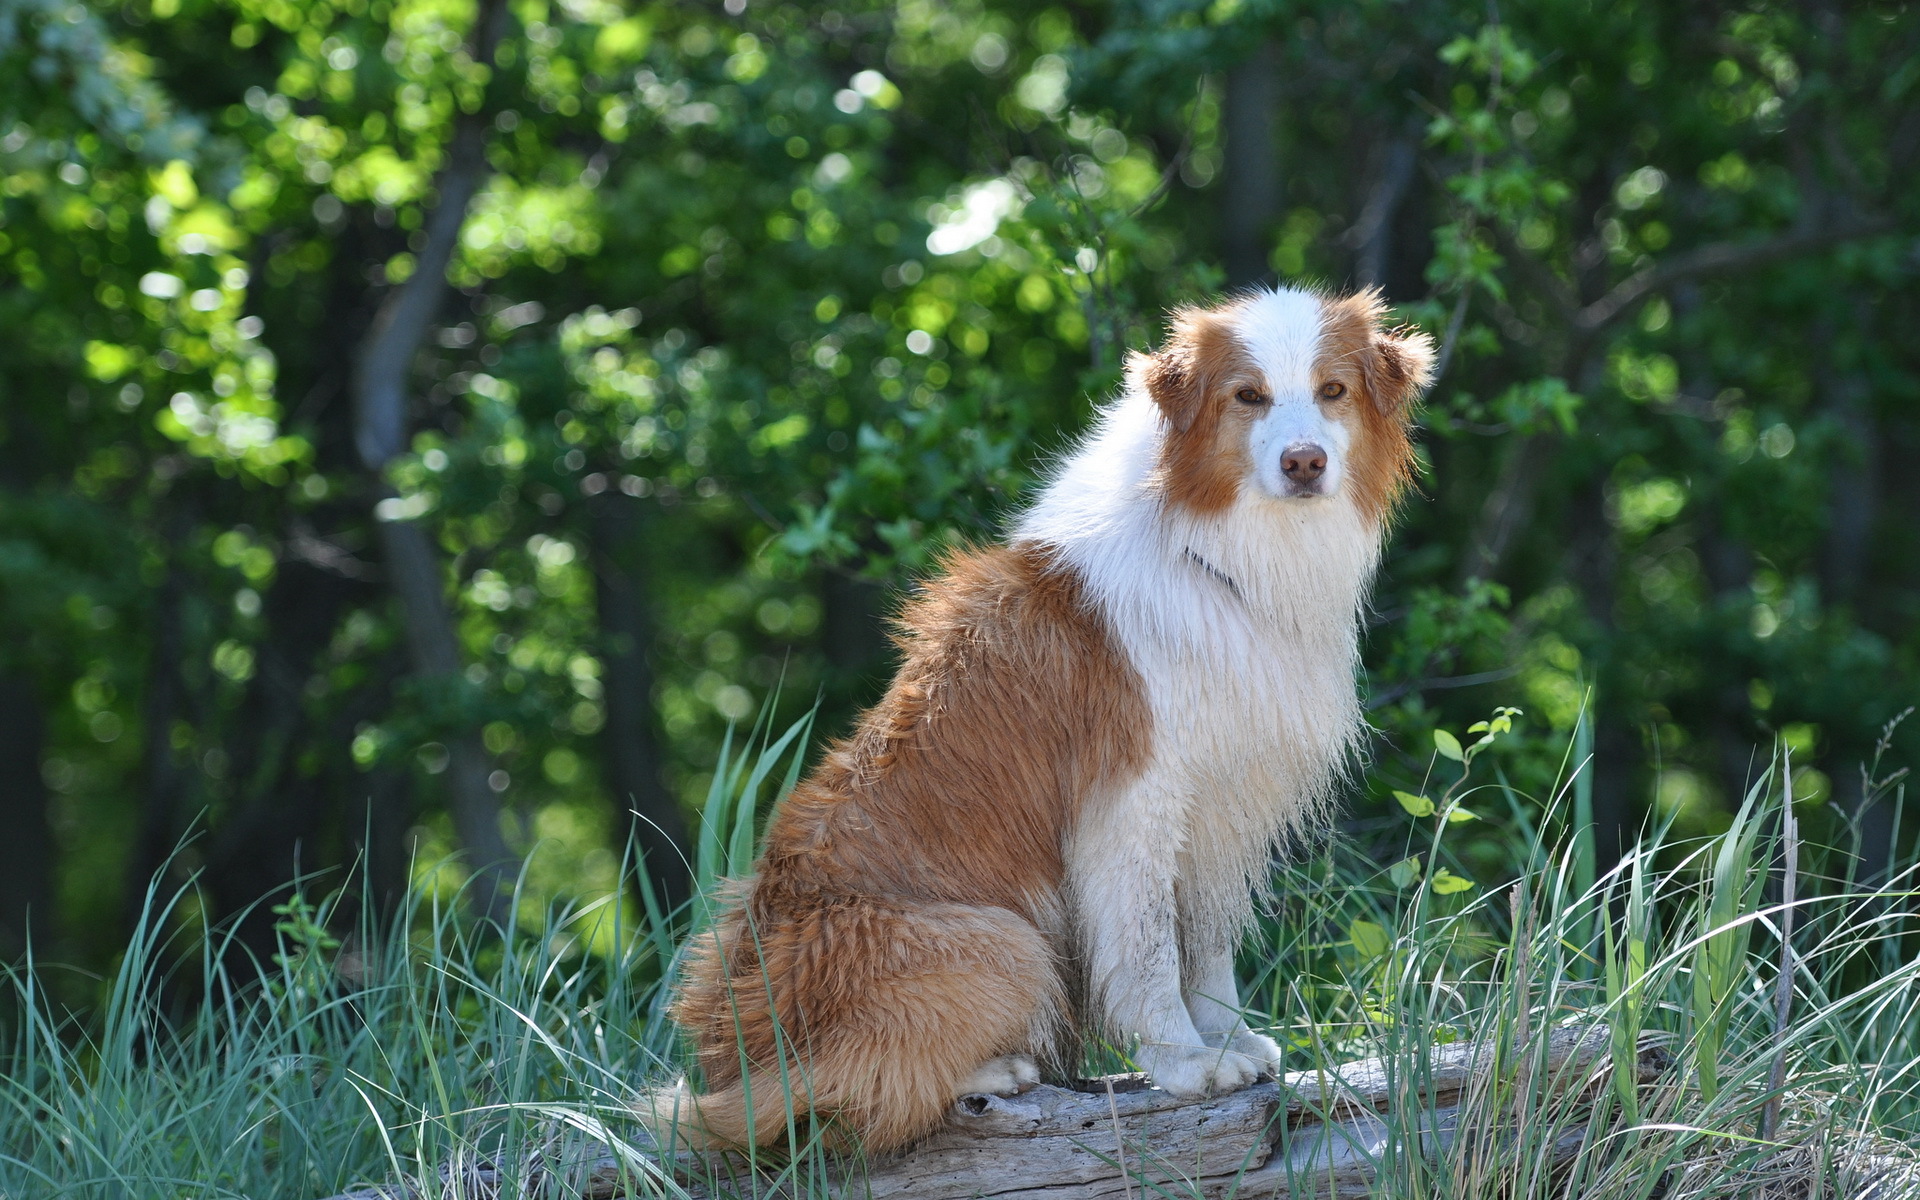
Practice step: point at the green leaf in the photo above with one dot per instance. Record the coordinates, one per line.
(1406, 872)
(622, 42)
(1457, 815)
(1418, 806)
(1446, 883)
(1448, 746)
(1369, 939)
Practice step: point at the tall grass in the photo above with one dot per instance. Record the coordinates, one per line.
(383, 1052)
(1676, 953)
(416, 1047)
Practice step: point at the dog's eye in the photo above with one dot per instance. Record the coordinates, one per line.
(1332, 391)
(1249, 396)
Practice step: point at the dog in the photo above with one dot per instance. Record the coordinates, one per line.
(1060, 816)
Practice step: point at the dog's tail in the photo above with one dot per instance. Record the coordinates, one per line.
(753, 1112)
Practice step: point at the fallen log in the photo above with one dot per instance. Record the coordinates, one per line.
(1320, 1134)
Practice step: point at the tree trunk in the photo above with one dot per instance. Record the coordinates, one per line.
(1728, 566)
(1372, 235)
(279, 811)
(1251, 192)
(1853, 490)
(853, 640)
(26, 843)
(1853, 493)
(647, 815)
(382, 814)
(163, 784)
(380, 377)
(414, 570)
(1316, 1133)
(1617, 754)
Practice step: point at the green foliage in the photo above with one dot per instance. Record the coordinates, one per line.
(367, 1047)
(419, 1041)
(1720, 961)
(757, 313)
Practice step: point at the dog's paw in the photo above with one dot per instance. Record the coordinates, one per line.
(1262, 1049)
(1193, 1071)
(1008, 1075)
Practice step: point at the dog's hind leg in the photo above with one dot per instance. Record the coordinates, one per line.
(887, 1013)
(920, 999)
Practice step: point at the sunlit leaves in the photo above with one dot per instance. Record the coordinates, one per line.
(1493, 53)
(1446, 883)
(1369, 939)
(621, 42)
(242, 431)
(1416, 806)
(381, 176)
(542, 225)
(103, 83)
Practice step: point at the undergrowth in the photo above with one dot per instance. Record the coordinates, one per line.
(424, 1045)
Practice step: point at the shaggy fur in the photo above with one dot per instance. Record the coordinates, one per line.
(1058, 816)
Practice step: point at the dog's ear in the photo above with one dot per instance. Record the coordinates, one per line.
(1399, 368)
(1170, 377)
(1198, 353)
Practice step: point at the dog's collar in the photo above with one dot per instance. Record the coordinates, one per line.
(1225, 579)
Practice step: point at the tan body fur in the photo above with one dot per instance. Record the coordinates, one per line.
(915, 875)
(1046, 824)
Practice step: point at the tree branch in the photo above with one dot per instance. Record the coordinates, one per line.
(1538, 276)
(1527, 462)
(1718, 258)
(400, 325)
(1387, 696)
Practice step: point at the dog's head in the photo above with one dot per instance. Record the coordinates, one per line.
(1287, 395)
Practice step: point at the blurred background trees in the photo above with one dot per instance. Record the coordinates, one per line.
(429, 425)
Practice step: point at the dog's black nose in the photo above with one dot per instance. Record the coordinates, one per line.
(1303, 463)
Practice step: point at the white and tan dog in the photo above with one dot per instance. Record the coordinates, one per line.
(1058, 816)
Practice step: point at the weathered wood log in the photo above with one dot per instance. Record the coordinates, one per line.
(1316, 1134)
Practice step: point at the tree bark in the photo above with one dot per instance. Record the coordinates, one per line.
(26, 842)
(853, 630)
(1617, 751)
(1372, 235)
(163, 784)
(1251, 195)
(646, 813)
(1317, 1133)
(414, 570)
(1853, 486)
(379, 837)
(1853, 493)
(1728, 566)
(413, 565)
(280, 812)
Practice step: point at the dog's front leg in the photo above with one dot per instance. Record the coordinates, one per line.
(1121, 866)
(1214, 1003)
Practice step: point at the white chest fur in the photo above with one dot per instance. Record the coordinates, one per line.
(1243, 627)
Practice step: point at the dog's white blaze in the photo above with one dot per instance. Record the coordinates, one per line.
(1281, 331)
(1243, 626)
